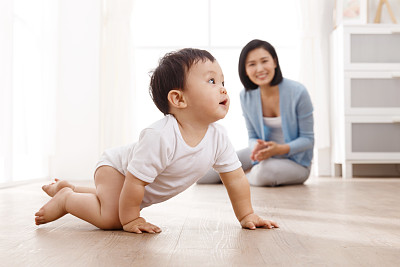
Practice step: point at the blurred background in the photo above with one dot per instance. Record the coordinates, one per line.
(74, 74)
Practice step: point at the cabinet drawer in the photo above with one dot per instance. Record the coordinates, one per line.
(375, 47)
(372, 93)
(373, 138)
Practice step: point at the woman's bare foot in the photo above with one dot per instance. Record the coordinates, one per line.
(53, 188)
(53, 209)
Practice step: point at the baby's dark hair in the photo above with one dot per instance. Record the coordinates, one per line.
(171, 74)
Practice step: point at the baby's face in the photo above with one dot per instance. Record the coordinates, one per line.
(205, 93)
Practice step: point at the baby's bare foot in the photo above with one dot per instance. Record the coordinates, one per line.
(53, 209)
(53, 188)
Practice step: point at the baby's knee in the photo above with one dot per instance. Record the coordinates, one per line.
(65, 191)
(110, 224)
(109, 220)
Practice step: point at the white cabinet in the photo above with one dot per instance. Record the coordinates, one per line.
(365, 95)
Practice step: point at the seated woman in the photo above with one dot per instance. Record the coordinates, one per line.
(279, 120)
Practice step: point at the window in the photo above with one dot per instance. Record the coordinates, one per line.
(27, 122)
(222, 27)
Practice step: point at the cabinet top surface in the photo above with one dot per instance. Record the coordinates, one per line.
(368, 27)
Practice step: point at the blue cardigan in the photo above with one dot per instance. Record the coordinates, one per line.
(297, 119)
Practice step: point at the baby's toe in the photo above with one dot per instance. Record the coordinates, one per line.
(39, 213)
(39, 220)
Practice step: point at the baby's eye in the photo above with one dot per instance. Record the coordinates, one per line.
(212, 80)
(223, 84)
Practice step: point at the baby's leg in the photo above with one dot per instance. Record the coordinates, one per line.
(100, 209)
(57, 185)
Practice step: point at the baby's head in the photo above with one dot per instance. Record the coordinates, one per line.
(172, 72)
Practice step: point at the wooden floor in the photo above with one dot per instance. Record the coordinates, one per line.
(326, 222)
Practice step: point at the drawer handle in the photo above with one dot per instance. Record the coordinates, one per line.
(395, 31)
(396, 120)
(396, 75)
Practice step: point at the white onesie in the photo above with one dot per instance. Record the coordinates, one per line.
(162, 158)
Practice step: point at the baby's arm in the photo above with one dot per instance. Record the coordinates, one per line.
(129, 207)
(239, 193)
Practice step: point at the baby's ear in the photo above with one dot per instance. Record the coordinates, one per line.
(177, 99)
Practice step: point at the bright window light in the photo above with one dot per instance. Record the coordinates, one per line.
(33, 88)
(222, 27)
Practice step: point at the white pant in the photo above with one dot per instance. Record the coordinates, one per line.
(269, 172)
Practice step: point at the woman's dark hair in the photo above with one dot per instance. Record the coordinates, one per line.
(171, 74)
(254, 44)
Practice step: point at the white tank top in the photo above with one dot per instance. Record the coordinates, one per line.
(275, 129)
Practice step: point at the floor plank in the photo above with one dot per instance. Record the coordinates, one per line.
(326, 222)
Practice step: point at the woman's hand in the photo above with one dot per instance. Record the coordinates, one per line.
(140, 225)
(266, 149)
(259, 147)
(252, 221)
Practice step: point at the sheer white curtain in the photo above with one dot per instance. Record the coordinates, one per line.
(115, 74)
(28, 85)
(314, 73)
(6, 22)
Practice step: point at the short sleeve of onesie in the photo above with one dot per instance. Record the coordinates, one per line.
(226, 158)
(150, 156)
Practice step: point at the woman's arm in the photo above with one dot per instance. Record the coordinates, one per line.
(304, 113)
(129, 206)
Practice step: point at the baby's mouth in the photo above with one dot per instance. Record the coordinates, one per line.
(223, 102)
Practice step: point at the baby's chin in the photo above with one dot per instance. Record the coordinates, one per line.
(222, 116)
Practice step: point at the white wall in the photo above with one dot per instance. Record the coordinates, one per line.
(77, 115)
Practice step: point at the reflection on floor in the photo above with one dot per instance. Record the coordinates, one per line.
(326, 222)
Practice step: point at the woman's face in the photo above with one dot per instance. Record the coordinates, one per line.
(260, 66)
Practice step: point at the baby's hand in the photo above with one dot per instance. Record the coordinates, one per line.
(252, 221)
(140, 225)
